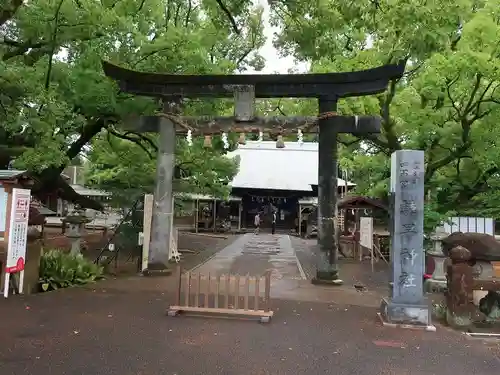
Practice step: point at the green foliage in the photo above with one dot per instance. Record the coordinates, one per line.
(54, 96)
(128, 171)
(447, 104)
(62, 270)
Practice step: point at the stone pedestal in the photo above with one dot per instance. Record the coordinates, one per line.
(407, 305)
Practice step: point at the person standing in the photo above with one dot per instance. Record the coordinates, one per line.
(256, 222)
(273, 223)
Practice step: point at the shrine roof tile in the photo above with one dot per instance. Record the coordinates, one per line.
(9, 174)
(263, 166)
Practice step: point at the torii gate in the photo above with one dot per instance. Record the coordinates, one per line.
(328, 88)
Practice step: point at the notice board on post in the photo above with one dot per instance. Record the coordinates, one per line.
(17, 235)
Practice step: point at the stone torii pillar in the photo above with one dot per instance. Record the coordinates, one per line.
(330, 125)
(163, 205)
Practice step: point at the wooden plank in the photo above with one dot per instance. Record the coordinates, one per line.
(257, 293)
(187, 291)
(179, 285)
(217, 291)
(197, 291)
(247, 291)
(236, 292)
(207, 291)
(257, 313)
(267, 292)
(226, 291)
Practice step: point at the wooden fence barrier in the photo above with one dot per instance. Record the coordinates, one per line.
(221, 295)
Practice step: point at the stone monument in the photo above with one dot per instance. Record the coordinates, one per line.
(76, 227)
(407, 305)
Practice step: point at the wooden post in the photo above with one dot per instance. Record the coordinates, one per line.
(257, 293)
(217, 291)
(237, 292)
(459, 301)
(187, 291)
(267, 292)
(226, 291)
(207, 291)
(247, 291)
(197, 291)
(179, 286)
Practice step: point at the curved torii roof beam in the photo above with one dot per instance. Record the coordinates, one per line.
(364, 82)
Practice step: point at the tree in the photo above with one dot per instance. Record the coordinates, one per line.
(448, 102)
(128, 170)
(54, 97)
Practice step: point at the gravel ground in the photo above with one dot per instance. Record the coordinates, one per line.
(125, 332)
(119, 326)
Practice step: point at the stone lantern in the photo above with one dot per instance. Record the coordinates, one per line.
(75, 223)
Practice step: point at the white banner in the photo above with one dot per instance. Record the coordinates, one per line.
(366, 232)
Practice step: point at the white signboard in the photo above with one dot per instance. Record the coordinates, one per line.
(146, 235)
(18, 233)
(366, 232)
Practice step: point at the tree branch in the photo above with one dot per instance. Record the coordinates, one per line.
(229, 16)
(53, 44)
(134, 140)
(188, 14)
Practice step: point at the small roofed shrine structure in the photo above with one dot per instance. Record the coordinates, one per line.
(328, 88)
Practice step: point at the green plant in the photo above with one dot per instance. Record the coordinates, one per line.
(62, 270)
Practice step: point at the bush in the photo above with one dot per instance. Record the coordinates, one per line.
(62, 270)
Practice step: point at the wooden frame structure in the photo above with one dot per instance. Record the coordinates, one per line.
(204, 297)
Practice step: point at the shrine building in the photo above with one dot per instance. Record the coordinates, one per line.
(269, 178)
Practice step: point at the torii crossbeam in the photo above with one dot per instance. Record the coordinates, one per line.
(328, 88)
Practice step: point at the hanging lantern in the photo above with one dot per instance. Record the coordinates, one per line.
(208, 141)
(279, 142)
(225, 141)
(300, 137)
(242, 139)
(189, 137)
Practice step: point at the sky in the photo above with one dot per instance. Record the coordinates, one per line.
(274, 63)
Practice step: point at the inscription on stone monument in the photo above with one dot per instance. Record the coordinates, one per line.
(407, 303)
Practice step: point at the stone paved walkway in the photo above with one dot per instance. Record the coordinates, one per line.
(255, 254)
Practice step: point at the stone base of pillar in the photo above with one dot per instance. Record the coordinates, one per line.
(327, 277)
(157, 269)
(406, 315)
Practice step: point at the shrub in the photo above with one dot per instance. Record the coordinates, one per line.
(62, 270)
